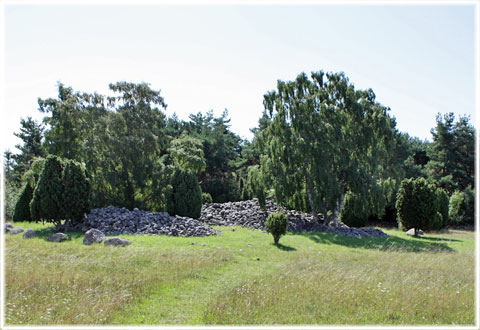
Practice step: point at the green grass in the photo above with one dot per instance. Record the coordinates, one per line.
(310, 278)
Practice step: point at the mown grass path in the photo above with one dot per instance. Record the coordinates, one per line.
(241, 277)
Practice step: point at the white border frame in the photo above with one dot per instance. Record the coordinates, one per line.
(475, 3)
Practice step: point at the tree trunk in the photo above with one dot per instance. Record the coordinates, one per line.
(309, 193)
(339, 208)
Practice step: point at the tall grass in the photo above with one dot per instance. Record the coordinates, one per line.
(241, 277)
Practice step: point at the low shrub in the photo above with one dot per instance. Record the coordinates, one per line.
(276, 224)
(206, 198)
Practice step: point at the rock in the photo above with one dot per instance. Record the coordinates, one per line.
(93, 236)
(58, 237)
(411, 232)
(29, 233)
(117, 241)
(16, 230)
(8, 227)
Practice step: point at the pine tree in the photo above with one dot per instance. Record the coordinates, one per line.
(185, 195)
(22, 207)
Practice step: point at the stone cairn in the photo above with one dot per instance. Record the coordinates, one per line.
(248, 214)
(115, 221)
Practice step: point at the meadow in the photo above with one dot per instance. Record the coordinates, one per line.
(240, 277)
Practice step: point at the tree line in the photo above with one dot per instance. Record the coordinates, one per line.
(321, 146)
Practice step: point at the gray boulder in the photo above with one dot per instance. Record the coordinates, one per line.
(16, 230)
(8, 227)
(58, 237)
(29, 233)
(117, 241)
(93, 236)
(411, 232)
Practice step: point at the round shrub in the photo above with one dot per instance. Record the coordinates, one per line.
(276, 224)
(184, 195)
(462, 206)
(353, 212)
(417, 204)
(206, 198)
(22, 207)
(76, 188)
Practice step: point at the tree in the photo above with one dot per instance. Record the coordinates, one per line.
(276, 224)
(47, 201)
(354, 212)
(22, 206)
(452, 153)
(462, 207)
(417, 204)
(76, 191)
(185, 195)
(31, 134)
(187, 154)
(323, 138)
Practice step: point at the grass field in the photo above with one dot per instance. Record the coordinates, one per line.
(241, 277)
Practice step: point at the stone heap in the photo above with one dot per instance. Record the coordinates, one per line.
(248, 214)
(114, 221)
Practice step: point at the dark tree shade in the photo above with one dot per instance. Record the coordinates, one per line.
(354, 212)
(46, 204)
(185, 195)
(76, 197)
(22, 207)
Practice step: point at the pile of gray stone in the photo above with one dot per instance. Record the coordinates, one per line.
(115, 221)
(249, 214)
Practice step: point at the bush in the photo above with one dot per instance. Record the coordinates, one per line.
(462, 207)
(206, 198)
(22, 207)
(47, 201)
(417, 204)
(11, 197)
(443, 201)
(185, 195)
(76, 192)
(353, 213)
(276, 224)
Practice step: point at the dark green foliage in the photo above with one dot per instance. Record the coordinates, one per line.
(462, 207)
(276, 224)
(22, 207)
(185, 195)
(354, 212)
(206, 198)
(443, 202)
(452, 153)
(221, 188)
(417, 204)
(47, 201)
(76, 192)
(255, 185)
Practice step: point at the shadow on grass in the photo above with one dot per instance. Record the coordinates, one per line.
(284, 247)
(438, 239)
(384, 244)
(45, 232)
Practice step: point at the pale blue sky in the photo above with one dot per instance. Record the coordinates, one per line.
(419, 60)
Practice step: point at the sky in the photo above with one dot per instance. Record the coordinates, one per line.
(419, 60)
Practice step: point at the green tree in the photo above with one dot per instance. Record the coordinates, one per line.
(47, 201)
(452, 153)
(417, 204)
(462, 207)
(276, 224)
(185, 195)
(22, 207)
(31, 134)
(76, 192)
(354, 212)
(187, 154)
(324, 138)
